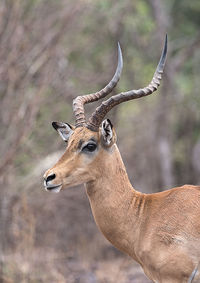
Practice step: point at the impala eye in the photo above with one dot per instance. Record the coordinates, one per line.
(90, 147)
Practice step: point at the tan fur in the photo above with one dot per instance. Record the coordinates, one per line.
(160, 231)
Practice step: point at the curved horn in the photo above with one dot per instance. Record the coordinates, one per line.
(79, 101)
(100, 112)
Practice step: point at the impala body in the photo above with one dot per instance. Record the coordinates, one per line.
(160, 231)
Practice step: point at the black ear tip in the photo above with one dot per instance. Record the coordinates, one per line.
(58, 125)
(54, 125)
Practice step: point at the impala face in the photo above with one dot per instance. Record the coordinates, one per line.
(85, 148)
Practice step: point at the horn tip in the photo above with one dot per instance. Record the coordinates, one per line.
(161, 63)
(120, 58)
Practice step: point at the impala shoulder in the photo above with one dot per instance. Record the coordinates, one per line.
(187, 186)
(185, 191)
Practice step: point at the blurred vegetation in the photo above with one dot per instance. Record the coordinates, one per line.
(50, 52)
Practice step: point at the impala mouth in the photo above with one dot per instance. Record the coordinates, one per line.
(54, 189)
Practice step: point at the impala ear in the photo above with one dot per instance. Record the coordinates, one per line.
(64, 129)
(107, 133)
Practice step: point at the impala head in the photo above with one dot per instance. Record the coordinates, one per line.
(90, 143)
(85, 149)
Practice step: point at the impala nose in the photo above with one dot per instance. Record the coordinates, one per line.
(48, 184)
(49, 178)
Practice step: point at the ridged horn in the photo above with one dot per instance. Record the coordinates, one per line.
(79, 101)
(101, 111)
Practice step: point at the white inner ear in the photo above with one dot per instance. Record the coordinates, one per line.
(64, 131)
(107, 132)
(64, 134)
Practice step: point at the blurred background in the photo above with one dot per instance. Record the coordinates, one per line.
(50, 52)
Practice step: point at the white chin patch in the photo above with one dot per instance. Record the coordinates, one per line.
(53, 190)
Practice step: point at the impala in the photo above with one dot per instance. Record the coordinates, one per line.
(160, 231)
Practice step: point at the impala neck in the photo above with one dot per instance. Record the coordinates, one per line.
(116, 206)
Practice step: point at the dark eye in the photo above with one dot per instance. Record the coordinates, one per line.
(90, 147)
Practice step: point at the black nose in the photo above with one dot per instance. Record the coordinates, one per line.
(50, 177)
